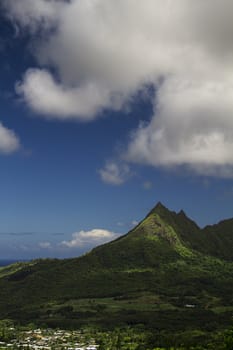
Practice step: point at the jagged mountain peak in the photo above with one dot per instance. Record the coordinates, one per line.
(170, 215)
(160, 205)
(166, 254)
(159, 209)
(182, 213)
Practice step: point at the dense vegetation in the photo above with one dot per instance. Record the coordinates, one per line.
(14, 337)
(167, 276)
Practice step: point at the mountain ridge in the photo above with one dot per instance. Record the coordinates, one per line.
(166, 258)
(206, 240)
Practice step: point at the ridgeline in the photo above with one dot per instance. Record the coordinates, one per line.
(165, 274)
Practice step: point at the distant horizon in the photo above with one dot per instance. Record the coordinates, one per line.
(21, 259)
(5, 262)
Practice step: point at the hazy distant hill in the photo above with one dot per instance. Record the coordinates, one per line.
(165, 273)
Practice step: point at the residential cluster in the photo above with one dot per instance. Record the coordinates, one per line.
(49, 339)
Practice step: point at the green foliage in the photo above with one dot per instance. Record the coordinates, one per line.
(166, 274)
(228, 339)
(123, 338)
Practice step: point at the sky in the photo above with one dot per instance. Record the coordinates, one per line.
(106, 108)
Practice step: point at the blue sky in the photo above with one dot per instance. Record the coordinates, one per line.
(102, 118)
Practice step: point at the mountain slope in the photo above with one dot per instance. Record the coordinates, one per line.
(157, 268)
(215, 240)
(219, 239)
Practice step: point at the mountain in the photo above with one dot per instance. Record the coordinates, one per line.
(166, 273)
(215, 240)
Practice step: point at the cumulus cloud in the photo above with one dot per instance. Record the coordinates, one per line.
(104, 51)
(192, 126)
(89, 238)
(45, 245)
(45, 95)
(33, 14)
(115, 173)
(9, 142)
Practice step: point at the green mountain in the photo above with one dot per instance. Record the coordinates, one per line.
(166, 273)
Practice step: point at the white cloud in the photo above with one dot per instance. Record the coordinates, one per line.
(115, 173)
(104, 51)
(45, 245)
(89, 238)
(45, 95)
(33, 14)
(192, 126)
(9, 142)
(134, 223)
